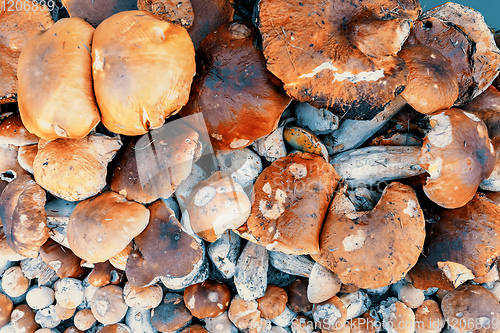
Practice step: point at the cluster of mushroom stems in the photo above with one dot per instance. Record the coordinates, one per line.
(285, 166)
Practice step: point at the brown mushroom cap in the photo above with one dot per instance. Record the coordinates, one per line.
(142, 297)
(208, 16)
(6, 307)
(22, 319)
(74, 169)
(207, 299)
(13, 132)
(397, 317)
(246, 316)
(162, 249)
(62, 260)
(60, 59)
(26, 157)
(234, 90)
(142, 68)
(463, 37)
(6, 252)
(102, 226)
(273, 303)
(107, 305)
(458, 155)
(103, 274)
(96, 11)
(351, 241)
(464, 236)
(153, 165)
(432, 84)
(9, 165)
(471, 308)
(291, 201)
(23, 216)
(84, 319)
(338, 53)
(63, 313)
(428, 318)
(119, 261)
(297, 296)
(171, 314)
(115, 328)
(217, 204)
(18, 26)
(195, 328)
(176, 11)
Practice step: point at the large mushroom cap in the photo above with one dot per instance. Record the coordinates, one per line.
(240, 99)
(162, 249)
(291, 200)
(102, 226)
(56, 99)
(23, 216)
(17, 27)
(376, 248)
(337, 53)
(142, 69)
(458, 154)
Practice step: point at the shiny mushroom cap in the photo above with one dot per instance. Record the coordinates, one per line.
(208, 16)
(143, 68)
(102, 226)
(207, 299)
(297, 296)
(273, 303)
(58, 58)
(458, 154)
(13, 132)
(171, 314)
(62, 260)
(350, 241)
(428, 317)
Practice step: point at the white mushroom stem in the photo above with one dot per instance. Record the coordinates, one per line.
(299, 265)
(353, 133)
(370, 166)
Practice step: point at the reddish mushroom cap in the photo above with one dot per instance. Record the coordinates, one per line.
(207, 299)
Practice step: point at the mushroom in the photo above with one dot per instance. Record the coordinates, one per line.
(102, 226)
(330, 315)
(58, 58)
(461, 246)
(103, 274)
(341, 64)
(68, 292)
(62, 260)
(119, 260)
(463, 37)
(471, 308)
(6, 307)
(142, 297)
(39, 297)
(98, 10)
(64, 313)
(305, 141)
(132, 47)
(22, 319)
(411, 296)
(14, 283)
(177, 12)
(208, 16)
(171, 314)
(396, 317)
(428, 317)
(273, 303)
(246, 316)
(26, 157)
(154, 165)
(18, 26)
(193, 328)
(84, 319)
(13, 132)
(323, 284)
(23, 216)
(74, 169)
(217, 204)
(115, 328)
(108, 306)
(291, 199)
(234, 90)
(208, 299)
(350, 240)
(163, 249)
(10, 168)
(297, 296)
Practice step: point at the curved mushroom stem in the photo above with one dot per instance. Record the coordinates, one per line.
(372, 165)
(353, 133)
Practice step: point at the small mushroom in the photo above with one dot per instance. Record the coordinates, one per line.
(14, 283)
(273, 303)
(62, 260)
(68, 292)
(396, 317)
(39, 297)
(6, 307)
(103, 274)
(84, 319)
(135, 46)
(208, 299)
(428, 317)
(58, 58)
(102, 226)
(142, 297)
(411, 296)
(246, 316)
(171, 314)
(297, 296)
(22, 319)
(330, 315)
(323, 284)
(108, 306)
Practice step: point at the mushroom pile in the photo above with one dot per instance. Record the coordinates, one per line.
(248, 166)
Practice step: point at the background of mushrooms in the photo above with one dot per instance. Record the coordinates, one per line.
(172, 260)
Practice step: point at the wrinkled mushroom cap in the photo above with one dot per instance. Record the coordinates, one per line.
(59, 58)
(458, 154)
(350, 241)
(102, 226)
(23, 216)
(74, 169)
(291, 201)
(142, 69)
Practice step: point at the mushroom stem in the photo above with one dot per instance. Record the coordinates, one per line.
(372, 165)
(353, 133)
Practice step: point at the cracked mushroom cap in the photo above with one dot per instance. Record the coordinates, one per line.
(18, 26)
(471, 308)
(153, 165)
(432, 84)
(216, 205)
(102, 226)
(463, 37)
(23, 216)
(461, 246)
(350, 241)
(74, 169)
(143, 68)
(60, 59)
(291, 201)
(162, 249)
(96, 11)
(336, 54)
(234, 90)
(176, 11)
(207, 299)
(458, 154)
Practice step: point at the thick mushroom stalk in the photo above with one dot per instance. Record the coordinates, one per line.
(324, 55)
(376, 248)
